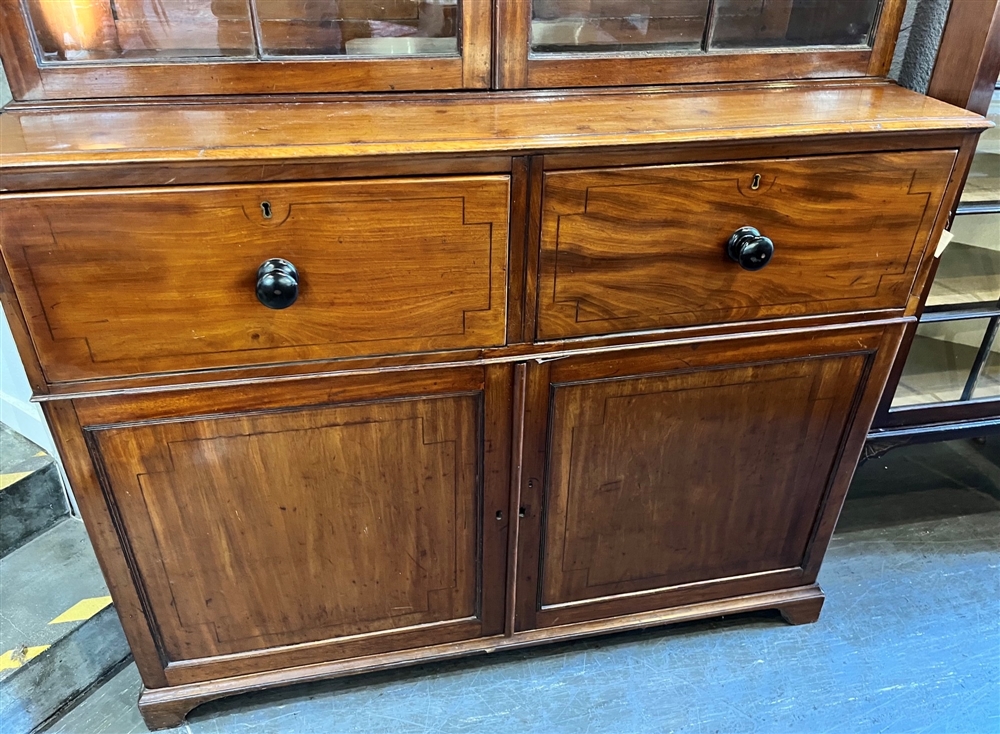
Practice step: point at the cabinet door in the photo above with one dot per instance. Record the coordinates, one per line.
(675, 475)
(564, 43)
(111, 48)
(290, 524)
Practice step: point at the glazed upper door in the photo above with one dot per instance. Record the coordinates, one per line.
(285, 524)
(681, 474)
(566, 43)
(57, 49)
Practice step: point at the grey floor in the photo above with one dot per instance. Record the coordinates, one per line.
(909, 641)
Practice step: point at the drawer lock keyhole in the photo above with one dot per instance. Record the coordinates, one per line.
(265, 209)
(755, 184)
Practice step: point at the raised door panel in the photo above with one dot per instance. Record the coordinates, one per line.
(125, 283)
(682, 474)
(645, 248)
(283, 535)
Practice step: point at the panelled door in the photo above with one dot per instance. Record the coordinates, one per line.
(672, 475)
(290, 523)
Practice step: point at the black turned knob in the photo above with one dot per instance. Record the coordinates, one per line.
(277, 283)
(750, 248)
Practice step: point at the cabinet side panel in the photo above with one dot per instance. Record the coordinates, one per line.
(104, 528)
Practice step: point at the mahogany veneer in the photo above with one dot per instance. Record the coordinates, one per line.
(523, 393)
(848, 229)
(372, 283)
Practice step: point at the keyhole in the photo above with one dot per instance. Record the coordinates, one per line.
(499, 515)
(755, 184)
(521, 511)
(265, 208)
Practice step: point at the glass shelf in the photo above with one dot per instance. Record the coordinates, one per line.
(694, 26)
(969, 271)
(983, 184)
(749, 24)
(68, 31)
(940, 362)
(955, 355)
(582, 26)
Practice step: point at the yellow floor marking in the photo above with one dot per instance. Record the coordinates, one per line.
(8, 479)
(82, 610)
(17, 658)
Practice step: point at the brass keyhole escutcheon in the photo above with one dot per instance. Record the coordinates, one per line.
(265, 209)
(755, 184)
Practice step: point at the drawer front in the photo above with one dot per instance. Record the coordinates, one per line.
(124, 283)
(645, 248)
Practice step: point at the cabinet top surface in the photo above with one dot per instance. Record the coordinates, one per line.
(460, 124)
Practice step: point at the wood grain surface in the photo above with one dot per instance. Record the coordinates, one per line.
(658, 479)
(642, 248)
(269, 130)
(272, 528)
(130, 282)
(642, 470)
(265, 530)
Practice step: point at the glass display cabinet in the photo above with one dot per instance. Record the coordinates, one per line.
(379, 332)
(76, 49)
(955, 356)
(946, 383)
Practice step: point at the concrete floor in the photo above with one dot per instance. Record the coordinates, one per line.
(909, 641)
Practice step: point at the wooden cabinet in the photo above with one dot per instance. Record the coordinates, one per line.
(351, 382)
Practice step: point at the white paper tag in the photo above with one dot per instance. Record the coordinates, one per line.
(946, 238)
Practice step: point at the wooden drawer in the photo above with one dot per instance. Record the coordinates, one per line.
(131, 282)
(645, 248)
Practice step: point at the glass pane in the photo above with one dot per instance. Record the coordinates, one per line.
(771, 23)
(940, 362)
(969, 271)
(983, 185)
(988, 385)
(358, 27)
(88, 30)
(617, 25)
(130, 30)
